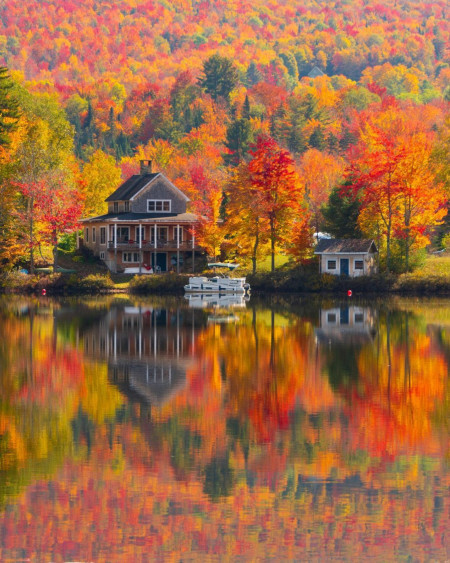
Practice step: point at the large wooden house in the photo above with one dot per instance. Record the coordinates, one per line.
(147, 227)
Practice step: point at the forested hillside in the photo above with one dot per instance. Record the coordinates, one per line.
(201, 87)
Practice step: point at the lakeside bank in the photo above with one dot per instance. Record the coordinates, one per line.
(297, 280)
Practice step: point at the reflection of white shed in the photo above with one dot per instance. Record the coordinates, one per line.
(350, 257)
(346, 324)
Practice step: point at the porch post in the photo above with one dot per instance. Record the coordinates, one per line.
(140, 248)
(156, 246)
(193, 251)
(115, 246)
(178, 249)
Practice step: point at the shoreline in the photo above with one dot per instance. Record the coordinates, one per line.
(287, 282)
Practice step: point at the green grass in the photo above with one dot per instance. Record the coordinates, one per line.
(435, 265)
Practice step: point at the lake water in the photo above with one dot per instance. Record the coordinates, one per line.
(174, 430)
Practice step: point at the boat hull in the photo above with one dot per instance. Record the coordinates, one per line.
(217, 285)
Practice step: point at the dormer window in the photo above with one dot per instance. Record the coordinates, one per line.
(116, 207)
(159, 205)
(127, 206)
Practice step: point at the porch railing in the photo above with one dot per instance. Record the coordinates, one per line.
(161, 244)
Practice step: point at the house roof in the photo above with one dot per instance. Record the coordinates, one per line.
(143, 218)
(131, 187)
(345, 246)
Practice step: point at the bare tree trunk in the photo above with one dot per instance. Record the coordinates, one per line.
(30, 211)
(272, 243)
(255, 250)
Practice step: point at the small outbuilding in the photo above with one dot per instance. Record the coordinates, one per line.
(349, 257)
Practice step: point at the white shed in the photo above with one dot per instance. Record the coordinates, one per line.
(350, 257)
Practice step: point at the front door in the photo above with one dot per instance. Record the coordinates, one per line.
(159, 261)
(344, 266)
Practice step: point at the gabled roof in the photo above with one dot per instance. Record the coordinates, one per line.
(131, 187)
(315, 72)
(345, 246)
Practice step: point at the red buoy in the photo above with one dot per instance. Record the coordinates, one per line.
(44, 292)
(349, 292)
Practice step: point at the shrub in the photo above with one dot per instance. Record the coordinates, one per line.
(167, 283)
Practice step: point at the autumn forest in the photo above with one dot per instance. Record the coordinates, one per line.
(277, 119)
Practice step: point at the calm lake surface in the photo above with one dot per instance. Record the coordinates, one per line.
(281, 429)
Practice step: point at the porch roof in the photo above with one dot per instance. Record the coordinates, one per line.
(143, 218)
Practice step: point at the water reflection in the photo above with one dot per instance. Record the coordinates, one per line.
(152, 428)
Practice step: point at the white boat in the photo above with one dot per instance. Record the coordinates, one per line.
(217, 284)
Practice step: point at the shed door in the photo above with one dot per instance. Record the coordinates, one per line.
(344, 266)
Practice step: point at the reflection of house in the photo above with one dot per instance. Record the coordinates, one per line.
(350, 257)
(346, 324)
(147, 225)
(148, 349)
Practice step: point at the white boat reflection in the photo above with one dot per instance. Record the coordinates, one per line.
(204, 301)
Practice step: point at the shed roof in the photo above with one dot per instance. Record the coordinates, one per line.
(345, 246)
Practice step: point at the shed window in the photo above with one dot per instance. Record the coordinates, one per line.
(359, 265)
(159, 205)
(331, 264)
(331, 317)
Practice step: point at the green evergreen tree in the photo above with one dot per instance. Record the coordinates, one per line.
(9, 107)
(246, 108)
(341, 215)
(253, 75)
(219, 77)
(239, 138)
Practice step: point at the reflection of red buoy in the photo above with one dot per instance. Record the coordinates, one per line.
(349, 292)
(44, 292)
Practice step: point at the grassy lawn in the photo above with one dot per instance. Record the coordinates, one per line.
(435, 265)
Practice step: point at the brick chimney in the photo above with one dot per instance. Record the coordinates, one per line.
(146, 167)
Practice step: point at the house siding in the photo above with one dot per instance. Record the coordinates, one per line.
(160, 188)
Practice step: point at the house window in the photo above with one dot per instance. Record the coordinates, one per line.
(102, 256)
(331, 264)
(140, 233)
(162, 234)
(359, 265)
(123, 234)
(359, 317)
(127, 206)
(93, 234)
(86, 234)
(116, 207)
(159, 205)
(102, 235)
(178, 231)
(132, 257)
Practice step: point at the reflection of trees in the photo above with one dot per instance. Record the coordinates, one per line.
(256, 421)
